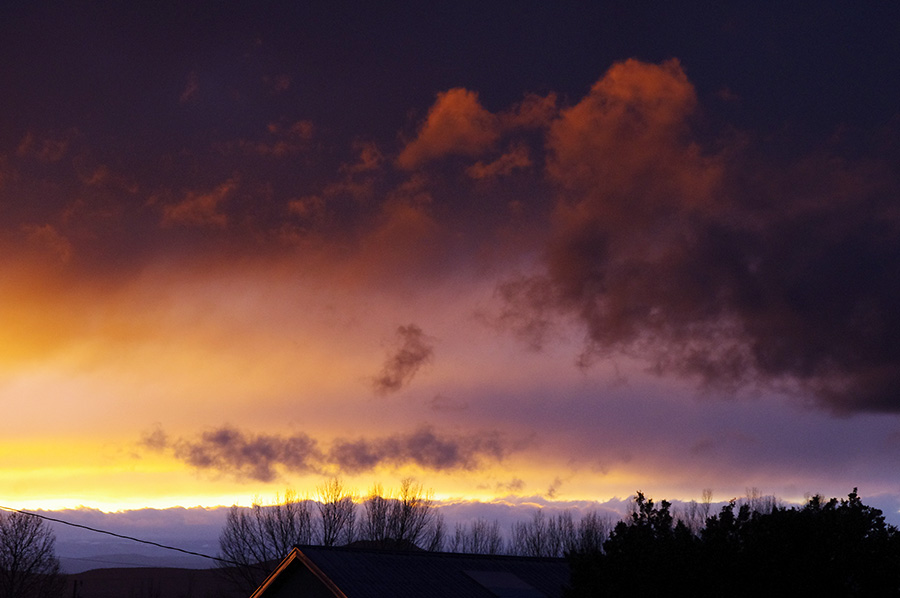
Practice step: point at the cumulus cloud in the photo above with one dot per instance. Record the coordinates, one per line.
(45, 149)
(516, 158)
(281, 139)
(200, 209)
(457, 124)
(369, 159)
(722, 266)
(413, 350)
(533, 112)
(623, 151)
(265, 457)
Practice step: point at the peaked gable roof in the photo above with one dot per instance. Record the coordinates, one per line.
(347, 572)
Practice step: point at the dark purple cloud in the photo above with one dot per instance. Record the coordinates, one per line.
(424, 448)
(257, 457)
(265, 457)
(720, 265)
(413, 350)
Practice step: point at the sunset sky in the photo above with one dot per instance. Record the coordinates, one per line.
(510, 249)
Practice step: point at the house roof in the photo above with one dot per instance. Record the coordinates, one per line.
(349, 572)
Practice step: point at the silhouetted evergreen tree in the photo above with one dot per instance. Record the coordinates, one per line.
(833, 548)
(643, 553)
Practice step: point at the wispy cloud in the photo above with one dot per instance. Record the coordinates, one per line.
(200, 208)
(47, 148)
(516, 158)
(413, 350)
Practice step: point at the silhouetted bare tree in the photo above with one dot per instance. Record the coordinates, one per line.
(532, 538)
(434, 537)
(479, 537)
(407, 518)
(377, 512)
(593, 531)
(29, 567)
(337, 511)
(411, 513)
(261, 534)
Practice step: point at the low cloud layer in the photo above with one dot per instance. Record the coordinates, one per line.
(423, 448)
(265, 457)
(411, 352)
(247, 456)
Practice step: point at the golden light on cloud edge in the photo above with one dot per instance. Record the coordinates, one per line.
(292, 338)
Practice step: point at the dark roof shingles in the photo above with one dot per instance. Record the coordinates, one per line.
(377, 574)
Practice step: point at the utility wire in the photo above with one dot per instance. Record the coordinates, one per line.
(133, 539)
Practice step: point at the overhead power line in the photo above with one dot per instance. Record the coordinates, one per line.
(124, 537)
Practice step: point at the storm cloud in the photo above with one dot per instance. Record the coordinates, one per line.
(717, 264)
(224, 217)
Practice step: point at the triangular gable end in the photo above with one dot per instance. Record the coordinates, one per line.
(284, 575)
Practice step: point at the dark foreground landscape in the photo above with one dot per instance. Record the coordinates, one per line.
(836, 547)
(150, 582)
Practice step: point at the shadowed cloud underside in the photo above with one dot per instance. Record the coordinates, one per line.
(535, 249)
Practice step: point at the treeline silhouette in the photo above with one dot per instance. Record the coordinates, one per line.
(407, 519)
(751, 546)
(757, 548)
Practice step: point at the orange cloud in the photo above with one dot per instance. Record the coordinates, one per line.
(405, 235)
(457, 124)
(47, 240)
(515, 159)
(623, 149)
(370, 159)
(634, 190)
(533, 112)
(310, 207)
(282, 140)
(200, 209)
(48, 149)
